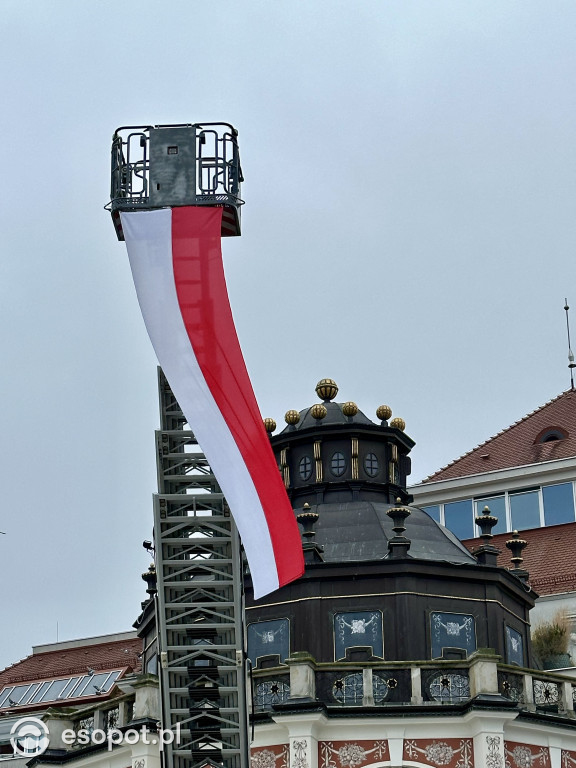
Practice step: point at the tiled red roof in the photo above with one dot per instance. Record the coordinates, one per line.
(554, 544)
(116, 654)
(519, 444)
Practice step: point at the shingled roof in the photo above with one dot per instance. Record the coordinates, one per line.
(553, 544)
(525, 442)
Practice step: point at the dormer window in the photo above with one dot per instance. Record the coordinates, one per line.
(551, 434)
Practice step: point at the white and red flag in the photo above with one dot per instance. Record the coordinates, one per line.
(176, 262)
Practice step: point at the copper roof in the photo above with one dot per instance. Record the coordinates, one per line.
(554, 544)
(520, 444)
(115, 654)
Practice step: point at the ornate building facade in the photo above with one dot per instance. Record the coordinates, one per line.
(399, 647)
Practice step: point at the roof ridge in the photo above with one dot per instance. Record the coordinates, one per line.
(493, 437)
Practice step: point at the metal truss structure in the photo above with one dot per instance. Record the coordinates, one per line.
(200, 627)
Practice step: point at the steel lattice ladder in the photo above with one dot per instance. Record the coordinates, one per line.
(200, 627)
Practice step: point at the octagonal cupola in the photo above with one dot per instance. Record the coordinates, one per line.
(332, 452)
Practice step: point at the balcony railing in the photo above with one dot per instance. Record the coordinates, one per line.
(420, 684)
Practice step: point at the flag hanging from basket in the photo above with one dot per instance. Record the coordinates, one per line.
(176, 260)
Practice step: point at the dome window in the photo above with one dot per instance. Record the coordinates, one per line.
(338, 464)
(371, 464)
(305, 468)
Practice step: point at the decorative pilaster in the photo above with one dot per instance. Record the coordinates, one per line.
(487, 730)
(318, 460)
(354, 467)
(489, 750)
(303, 753)
(284, 467)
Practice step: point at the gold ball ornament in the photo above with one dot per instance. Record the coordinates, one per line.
(349, 408)
(269, 425)
(318, 411)
(398, 424)
(292, 417)
(383, 412)
(327, 389)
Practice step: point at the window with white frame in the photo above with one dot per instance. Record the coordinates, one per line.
(519, 509)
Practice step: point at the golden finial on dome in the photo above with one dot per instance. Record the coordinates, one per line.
(383, 412)
(327, 389)
(292, 417)
(318, 411)
(349, 408)
(269, 425)
(398, 423)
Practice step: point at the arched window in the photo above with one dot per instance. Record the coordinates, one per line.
(550, 434)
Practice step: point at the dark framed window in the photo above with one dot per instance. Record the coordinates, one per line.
(452, 630)
(458, 518)
(558, 503)
(305, 467)
(266, 638)
(362, 628)
(371, 466)
(514, 647)
(525, 510)
(338, 464)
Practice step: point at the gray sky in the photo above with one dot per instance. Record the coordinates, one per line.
(409, 230)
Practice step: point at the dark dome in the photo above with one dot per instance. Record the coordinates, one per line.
(359, 530)
(334, 415)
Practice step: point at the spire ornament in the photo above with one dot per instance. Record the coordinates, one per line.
(308, 519)
(398, 545)
(516, 545)
(486, 553)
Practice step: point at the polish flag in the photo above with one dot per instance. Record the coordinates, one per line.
(176, 262)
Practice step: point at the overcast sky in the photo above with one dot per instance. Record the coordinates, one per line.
(409, 230)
